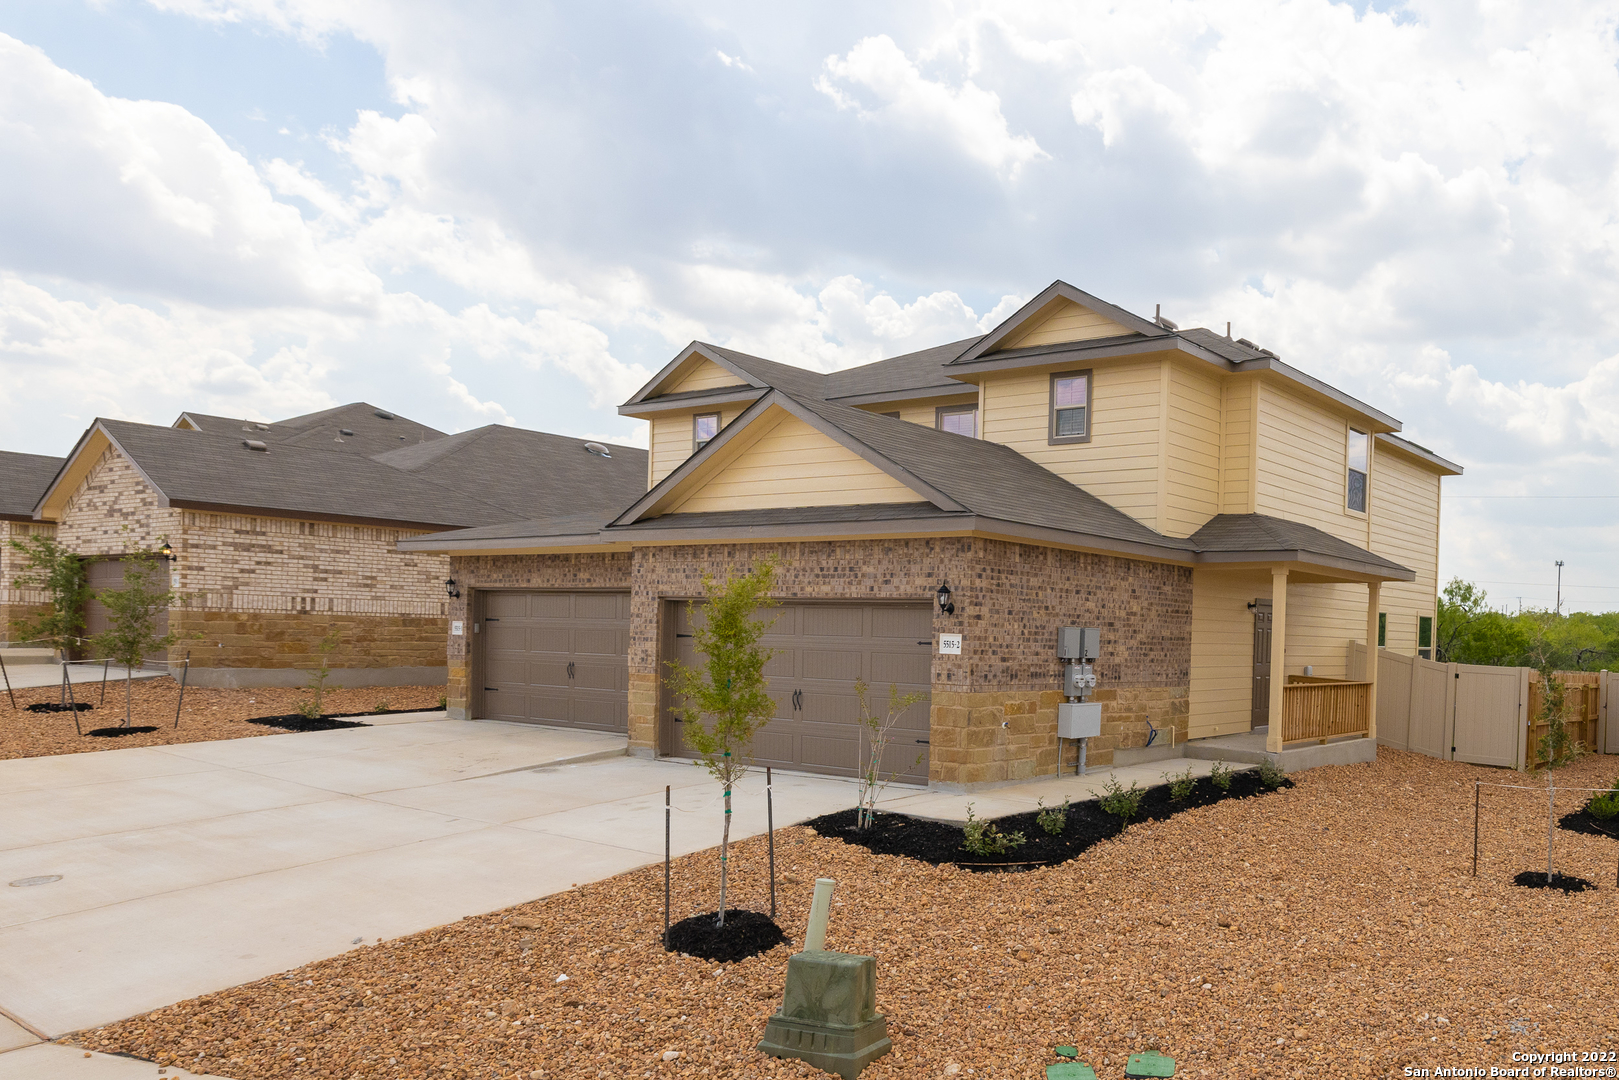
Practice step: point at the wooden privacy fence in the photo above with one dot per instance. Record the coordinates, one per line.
(1322, 709)
(1483, 715)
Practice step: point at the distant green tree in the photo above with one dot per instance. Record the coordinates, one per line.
(60, 575)
(723, 702)
(1461, 605)
(132, 614)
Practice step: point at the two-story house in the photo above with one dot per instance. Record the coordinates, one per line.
(1223, 517)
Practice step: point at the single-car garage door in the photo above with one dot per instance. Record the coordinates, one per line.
(820, 650)
(107, 575)
(556, 658)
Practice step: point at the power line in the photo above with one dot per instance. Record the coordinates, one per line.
(1448, 495)
(1541, 584)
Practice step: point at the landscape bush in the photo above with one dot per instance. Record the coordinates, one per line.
(1120, 802)
(1220, 775)
(1053, 819)
(982, 837)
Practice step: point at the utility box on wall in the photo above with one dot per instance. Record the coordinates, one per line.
(1079, 720)
(1079, 642)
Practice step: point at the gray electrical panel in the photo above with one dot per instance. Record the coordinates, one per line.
(1079, 642)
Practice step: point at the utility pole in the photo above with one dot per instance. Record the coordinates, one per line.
(1559, 586)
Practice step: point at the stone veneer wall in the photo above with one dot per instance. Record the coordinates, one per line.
(1010, 599)
(263, 591)
(18, 603)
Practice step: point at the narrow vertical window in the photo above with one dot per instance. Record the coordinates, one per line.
(961, 419)
(1359, 458)
(704, 427)
(1382, 628)
(1071, 407)
(1425, 636)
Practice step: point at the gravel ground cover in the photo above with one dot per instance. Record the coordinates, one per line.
(1328, 930)
(207, 715)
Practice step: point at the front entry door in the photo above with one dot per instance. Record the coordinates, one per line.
(1262, 624)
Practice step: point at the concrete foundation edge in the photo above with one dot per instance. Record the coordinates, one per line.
(233, 678)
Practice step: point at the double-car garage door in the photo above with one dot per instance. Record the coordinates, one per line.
(562, 658)
(820, 650)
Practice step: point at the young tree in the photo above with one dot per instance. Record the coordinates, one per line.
(58, 573)
(879, 730)
(132, 612)
(318, 676)
(723, 702)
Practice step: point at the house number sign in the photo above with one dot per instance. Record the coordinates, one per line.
(455, 628)
(950, 644)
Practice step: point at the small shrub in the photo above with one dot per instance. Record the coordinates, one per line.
(381, 706)
(1604, 805)
(1119, 802)
(443, 702)
(307, 709)
(1053, 819)
(1181, 785)
(1271, 774)
(1220, 775)
(982, 837)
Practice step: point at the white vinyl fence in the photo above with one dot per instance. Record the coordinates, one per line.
(1464, 712)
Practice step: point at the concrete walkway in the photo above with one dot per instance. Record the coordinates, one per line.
(190, 868)
(29, 676)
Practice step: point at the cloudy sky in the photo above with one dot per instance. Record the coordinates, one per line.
(514, 212)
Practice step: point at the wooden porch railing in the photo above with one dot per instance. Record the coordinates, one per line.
(1322, 709)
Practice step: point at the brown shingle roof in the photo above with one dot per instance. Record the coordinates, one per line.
(23, 479)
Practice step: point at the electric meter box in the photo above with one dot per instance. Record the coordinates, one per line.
(1079, 642)
(1079, 720)
(1078, 680)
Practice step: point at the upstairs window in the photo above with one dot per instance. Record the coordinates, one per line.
(961, 419)
(704, 426)
(1425, 636)
(1071, 407)
(1359, 458)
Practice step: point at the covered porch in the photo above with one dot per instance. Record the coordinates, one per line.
(1276, 608)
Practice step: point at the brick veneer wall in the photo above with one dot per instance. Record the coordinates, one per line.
(1010, 599)
(262, 591)
(18, 603)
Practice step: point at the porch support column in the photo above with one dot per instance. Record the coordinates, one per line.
(1374, 593)
(1278, 655)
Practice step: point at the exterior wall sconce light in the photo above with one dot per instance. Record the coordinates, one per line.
(451, 589)
(165, 552)
(945, 604)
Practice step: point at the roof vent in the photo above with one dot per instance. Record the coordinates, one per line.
(254, 444)
(384, 414)
(261, 427)
(1245, 341)
(599, 449)
(345, 432)
(1158, 317)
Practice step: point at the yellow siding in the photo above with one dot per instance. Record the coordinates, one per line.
(706, 376)
(1064, 321)
(919, 413)
(1321, 622)
(1221, 693)
(671, 442)
(795, 465)
(1237, 464)
(1300, 465)
(1191, 492)
(1405, 528)
(1120, 463)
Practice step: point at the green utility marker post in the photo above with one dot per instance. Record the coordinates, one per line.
(1150, 1063)
(1070, 1070)
(1066, 1051)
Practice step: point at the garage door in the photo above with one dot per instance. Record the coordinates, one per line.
(821, 649)
(106, 575)
(556, 658)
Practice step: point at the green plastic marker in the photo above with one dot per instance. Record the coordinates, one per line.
(1070, 1070)
(1067, 1051)
(1151, 1063)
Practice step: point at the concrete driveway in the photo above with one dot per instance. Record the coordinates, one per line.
(186, 869)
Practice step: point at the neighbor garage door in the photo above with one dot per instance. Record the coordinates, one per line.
(556, 658)
(820, 650)
(107, 575)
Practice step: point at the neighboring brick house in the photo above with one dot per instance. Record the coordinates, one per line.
(22, 478)
(281, 532)
(1079, 465)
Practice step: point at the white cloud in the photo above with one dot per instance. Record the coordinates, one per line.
(732, 61)
(906, 99)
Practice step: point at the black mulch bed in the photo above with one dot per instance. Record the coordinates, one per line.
(115, 732)
(1536, 879)
(53, 706)
(1581, 821)
(937, 843)
(328, 722)
(745, 934)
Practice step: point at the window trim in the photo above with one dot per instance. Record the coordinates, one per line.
(698, 444)
(1349, 430)
(941, 411)
(891, 415)
(1052, 438)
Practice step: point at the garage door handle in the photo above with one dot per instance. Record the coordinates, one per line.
(490, 618)
(798, 699)
(491, 688)
(570, 669)
(685, 635)
(921, 742)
